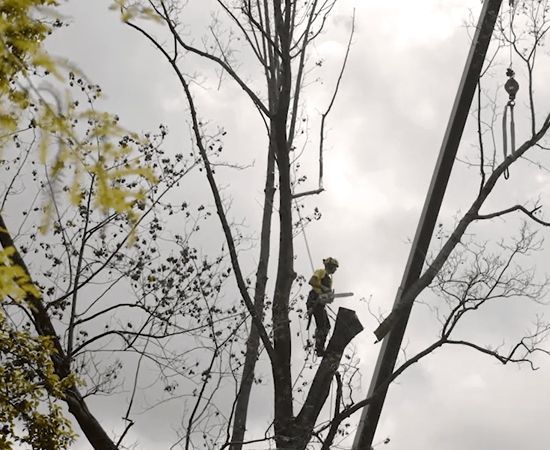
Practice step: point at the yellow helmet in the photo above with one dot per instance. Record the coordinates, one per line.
(330, 262)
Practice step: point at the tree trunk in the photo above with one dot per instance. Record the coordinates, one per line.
(253, 342)
(281, 368)
(346, 328)
(91, 428)
(282, 342)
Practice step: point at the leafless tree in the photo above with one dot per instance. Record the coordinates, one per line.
(278, 36)
(119, 294)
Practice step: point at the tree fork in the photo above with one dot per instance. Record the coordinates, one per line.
(282, 378)
(347, 326)
(253, 341)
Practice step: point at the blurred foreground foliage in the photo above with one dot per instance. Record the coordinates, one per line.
(29, 100)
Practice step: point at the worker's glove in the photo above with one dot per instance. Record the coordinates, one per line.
(327, 297)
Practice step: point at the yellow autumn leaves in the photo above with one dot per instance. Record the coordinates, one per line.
(24, 24)
(28, 392)
(14, 281)
(74, 143)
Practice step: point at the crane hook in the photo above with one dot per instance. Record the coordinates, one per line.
(511, 87)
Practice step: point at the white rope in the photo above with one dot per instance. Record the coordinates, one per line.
(332, 407)
(303, 227)
(305, 236)
(308, 340)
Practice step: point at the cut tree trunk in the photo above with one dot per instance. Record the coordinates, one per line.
(346, 328)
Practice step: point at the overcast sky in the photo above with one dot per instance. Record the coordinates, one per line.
(384, 134)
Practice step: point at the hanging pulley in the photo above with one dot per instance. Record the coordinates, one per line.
(511, 87)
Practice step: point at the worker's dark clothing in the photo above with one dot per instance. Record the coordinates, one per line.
(322, 327)
(320, 282)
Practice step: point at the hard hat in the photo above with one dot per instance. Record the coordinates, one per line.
(330, 262)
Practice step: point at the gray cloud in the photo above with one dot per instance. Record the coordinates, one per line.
(384, 135)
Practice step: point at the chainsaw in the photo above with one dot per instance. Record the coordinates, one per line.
(324, 299)
(328, 297)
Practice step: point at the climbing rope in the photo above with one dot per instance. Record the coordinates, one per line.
(309, 348)
(303, 232)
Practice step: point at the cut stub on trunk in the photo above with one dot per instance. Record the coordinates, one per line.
(347, 326)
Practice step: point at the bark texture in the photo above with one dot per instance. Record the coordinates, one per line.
(253, 341)
(346, 328)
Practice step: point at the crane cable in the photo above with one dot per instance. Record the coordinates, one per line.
(511, 87)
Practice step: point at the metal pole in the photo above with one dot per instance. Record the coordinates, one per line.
(453, 134)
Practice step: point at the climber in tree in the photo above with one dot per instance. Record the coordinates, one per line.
(321, 293)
